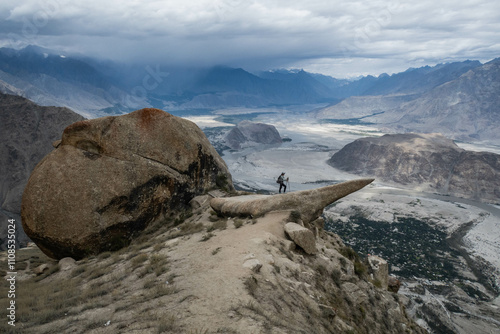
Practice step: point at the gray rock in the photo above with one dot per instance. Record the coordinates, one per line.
(379, 269)
(253, 264)
(302, 237)
(66, 263)
(288, 245)
(309, 203)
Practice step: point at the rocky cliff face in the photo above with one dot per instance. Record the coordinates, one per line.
(27, 131)
(425, 161)
(249, 133)
(111, 177)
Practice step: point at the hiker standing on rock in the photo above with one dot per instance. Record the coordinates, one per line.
(281, 180)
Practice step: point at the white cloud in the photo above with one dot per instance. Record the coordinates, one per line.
(336, 37)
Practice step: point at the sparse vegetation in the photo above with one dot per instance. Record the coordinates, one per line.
(166, 323)
(140, 282)
(219, 224)
(238, 222)
(138, 260)
(414, 242)
(336, 275)
(295, 216)
(222, 181)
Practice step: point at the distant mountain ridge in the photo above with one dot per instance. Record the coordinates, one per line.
(465, 108)
(96, 88)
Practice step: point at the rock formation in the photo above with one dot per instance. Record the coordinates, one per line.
(250, 133)
(428, 161)
(309, 203)
(27, 131)
(302, 237)
(110, 177)
(379, 269)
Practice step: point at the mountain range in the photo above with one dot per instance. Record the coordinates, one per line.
(457, 99)
(96, 88)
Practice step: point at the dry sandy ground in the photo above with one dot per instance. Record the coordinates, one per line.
(213, 272)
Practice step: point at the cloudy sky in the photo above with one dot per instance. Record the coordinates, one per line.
(339, 38)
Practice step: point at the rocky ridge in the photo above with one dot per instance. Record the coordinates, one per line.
(213, 274)
(427, 162)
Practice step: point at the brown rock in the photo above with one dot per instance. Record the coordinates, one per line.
(393, 284)
(112, 176)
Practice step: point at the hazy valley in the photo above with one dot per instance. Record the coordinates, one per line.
(455, 290)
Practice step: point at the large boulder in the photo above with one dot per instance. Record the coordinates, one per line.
(112, 176)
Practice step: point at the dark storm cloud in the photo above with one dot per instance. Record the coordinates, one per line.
(335, 37)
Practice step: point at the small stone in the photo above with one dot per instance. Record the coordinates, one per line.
(40, 269)
(66, 263)
(249, 256)
(253, 264)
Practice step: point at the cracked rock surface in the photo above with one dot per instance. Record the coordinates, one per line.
(112, 176)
